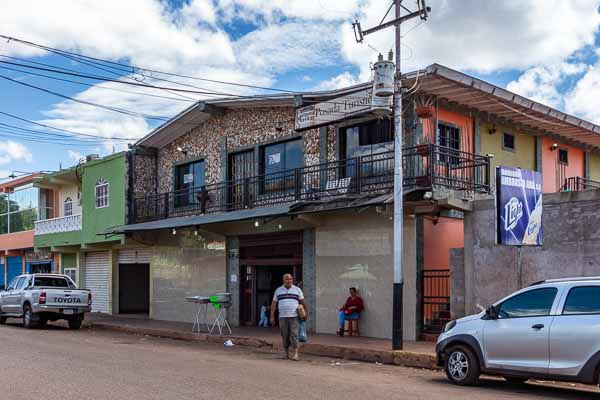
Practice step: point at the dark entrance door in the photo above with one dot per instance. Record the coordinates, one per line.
(264, 259)
(134, 288)
(44, 268)
(241, 168)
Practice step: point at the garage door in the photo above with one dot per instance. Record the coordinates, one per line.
(2, 283)
(15, 267)
(97, 279)
(140, 255)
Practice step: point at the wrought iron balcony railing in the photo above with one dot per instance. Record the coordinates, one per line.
(425, 166)
(577, 183)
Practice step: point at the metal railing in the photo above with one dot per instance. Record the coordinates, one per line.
(435, 299)
(578, 183)
(58, 225)
(424, 167)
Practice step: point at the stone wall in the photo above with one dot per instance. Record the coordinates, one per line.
(571, 247)
(144, 172)
(234, 130)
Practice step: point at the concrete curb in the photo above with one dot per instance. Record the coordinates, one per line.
(400, 358)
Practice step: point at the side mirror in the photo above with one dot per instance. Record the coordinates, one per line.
(491, 312)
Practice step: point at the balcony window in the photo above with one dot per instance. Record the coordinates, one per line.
(189, 178)
(366, 140)
(278, 163)
(102, 193)
(68, 207)
(19, 209)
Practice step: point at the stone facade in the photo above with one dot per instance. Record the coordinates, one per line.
(144, 172)
(232, 130)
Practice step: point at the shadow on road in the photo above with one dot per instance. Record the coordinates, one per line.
(530, 389)
(52, 326)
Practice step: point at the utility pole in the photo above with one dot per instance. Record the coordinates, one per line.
(422, 12)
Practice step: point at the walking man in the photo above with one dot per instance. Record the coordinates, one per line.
(286, 299)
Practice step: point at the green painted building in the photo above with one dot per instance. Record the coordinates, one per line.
(87, 200)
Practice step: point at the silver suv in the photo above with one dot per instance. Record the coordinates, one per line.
(549, 330)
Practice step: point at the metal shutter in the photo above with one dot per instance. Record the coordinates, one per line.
(97, 279)
(15, 267)
(2, 283)
(140, 255)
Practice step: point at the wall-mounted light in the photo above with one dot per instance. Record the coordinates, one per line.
(182, 150)
(490, 155)
(554, 146)
(195, 232)
(280, 227)
(492, 129)
(256, 224)
(174, 231)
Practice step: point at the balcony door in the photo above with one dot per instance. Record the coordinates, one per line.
(189, 179)
(241, 166)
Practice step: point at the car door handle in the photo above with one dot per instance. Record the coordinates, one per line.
(537, 326)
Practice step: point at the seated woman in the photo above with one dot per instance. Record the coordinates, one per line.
(351, 309)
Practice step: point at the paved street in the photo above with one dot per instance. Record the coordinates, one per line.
(59, 364)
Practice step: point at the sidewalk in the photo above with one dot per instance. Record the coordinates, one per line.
(414, 354)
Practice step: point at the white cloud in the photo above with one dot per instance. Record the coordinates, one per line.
(543, 83)
(75, 155)
(481, 36)
(272, 10)
(583, 100)
(12, 151)
(343, 80)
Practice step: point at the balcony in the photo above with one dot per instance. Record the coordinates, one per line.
(578, 183)
(425, 167)
(71, 223)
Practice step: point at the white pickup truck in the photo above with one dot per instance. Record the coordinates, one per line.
(39, 298)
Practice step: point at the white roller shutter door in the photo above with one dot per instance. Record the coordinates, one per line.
(140, 255)
(97, 279)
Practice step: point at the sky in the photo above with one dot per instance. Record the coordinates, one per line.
(546, 50)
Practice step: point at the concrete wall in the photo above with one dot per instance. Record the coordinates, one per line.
(553, 172)
(358, 251)
(446, 234)
(571, 224)
(182, 266)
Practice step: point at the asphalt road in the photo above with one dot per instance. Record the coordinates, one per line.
(56, 363)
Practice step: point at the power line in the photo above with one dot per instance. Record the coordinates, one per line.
(62, 130)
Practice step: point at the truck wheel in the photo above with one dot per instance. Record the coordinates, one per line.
(2, 320)
(462, 366)
(27, 317)
(75, 322)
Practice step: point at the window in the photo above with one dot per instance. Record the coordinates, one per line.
(68, 207)
(278, 163)
(367, 138)
(563, 156)
(50, 281)
(12, 284)
(71, 273)
(583, 300)
(102, 193)
(534, 303)
(508, 141)
(189, 178)
(449, 137)
(19, 209)
(21, 283)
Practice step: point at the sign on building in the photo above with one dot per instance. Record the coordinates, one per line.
(518, 206)
(333, 110)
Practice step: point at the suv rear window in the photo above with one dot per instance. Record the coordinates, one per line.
(51, 281)
(583, 300)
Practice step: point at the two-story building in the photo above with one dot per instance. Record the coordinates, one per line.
(233, 193)
(90, 198)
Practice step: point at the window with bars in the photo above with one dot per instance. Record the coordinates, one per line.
(68, 207)
(102, 193)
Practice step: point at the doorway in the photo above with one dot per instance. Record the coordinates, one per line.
(134, 288)
(41, 268)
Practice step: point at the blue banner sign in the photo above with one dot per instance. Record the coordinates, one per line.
(518, 206)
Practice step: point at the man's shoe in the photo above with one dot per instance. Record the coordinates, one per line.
(295, 356)
(286, 354)
(340, 332)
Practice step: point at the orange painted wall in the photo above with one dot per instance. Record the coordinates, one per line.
(19, 240)
(464, 122)
(553, 174)
(447, 234)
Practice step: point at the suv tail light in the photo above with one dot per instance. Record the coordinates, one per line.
(42, 299)
(90, 298)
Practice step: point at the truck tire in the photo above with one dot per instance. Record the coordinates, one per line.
(75, 322)
(27, 317)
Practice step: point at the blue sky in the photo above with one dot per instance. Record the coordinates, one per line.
(294, 44)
